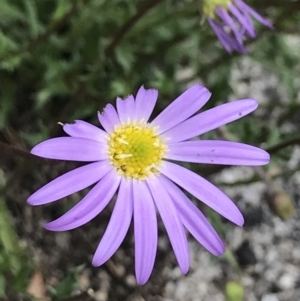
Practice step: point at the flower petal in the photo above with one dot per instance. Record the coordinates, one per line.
(248, 10)
(71, 149)
(90, 206)
(69, 183)
(217, 152)
(126, 109)
(144, 103)
(220, 33)
(145, 231)
(184, 106)
(172, 222)
(203, 190)
(245, 22)
(118, 224)
(194, 220)
(223, 14)
(109, 119)
(82, 129)
(211, 119)
(225, 38)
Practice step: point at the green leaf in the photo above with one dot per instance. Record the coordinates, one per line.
(32, 16)
(2, 286)
(10, 12)
(68, 285)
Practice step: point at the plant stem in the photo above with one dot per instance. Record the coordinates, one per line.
(9, 238)
(144, 9)
(14, 151)
(283, 144)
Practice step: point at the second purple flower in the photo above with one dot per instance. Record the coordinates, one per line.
(231, 20)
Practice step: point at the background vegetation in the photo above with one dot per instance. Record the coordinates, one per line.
(62, 60)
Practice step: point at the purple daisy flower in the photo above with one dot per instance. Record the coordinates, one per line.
(231, 21)
(132, 156)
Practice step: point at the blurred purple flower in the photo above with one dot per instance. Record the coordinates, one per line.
(132, 156)
(231, 21)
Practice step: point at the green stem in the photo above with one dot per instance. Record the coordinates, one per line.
(228, 255)
(14, 151)
(283, 144)
(9, 239)
(144, 9)
(255, 178)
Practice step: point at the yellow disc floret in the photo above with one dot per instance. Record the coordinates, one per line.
(210, 5)
(135, 150)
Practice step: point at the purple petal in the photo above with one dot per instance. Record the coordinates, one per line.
(203, 190)
(71, 149)
(223, 14)
(90, 206)
(228, 42)
(118, 224)
(194, 220)
(184, 106)
(82, 129)
(144, 103)
(126, 109)
(245, 22)
(70, 183)
(145, 231)
(172, 222)
(109, 119)
(211, 119)
(248, 10)
(218, 30)
(217, 152)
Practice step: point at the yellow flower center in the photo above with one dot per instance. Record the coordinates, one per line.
(210, 5)
(135, 150)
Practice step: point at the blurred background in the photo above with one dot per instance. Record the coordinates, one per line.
(62, 60)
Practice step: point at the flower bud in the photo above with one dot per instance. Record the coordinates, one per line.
(234, 291)
(281, 204)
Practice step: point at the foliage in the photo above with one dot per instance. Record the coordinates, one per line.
(64, 60)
